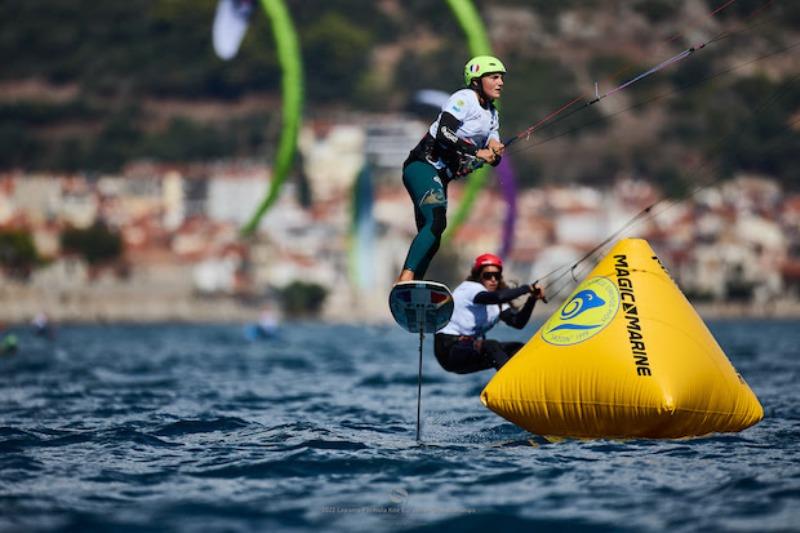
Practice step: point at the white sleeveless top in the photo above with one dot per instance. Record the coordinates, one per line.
(468, 317)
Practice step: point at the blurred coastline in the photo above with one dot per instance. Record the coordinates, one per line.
(179, 256)
(106, 305)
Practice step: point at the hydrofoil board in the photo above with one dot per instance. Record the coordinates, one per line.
(421, 306)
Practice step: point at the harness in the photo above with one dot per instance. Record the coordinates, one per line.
(456, 164)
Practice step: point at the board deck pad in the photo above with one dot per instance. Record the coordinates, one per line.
(421, 306)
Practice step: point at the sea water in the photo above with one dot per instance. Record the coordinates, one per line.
(193, 427)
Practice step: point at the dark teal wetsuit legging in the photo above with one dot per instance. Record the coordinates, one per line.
(429, 195)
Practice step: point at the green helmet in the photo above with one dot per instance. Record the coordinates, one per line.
(481, 65)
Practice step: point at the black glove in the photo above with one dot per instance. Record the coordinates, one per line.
(537, 292)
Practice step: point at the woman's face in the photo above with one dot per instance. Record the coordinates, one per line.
(492, 85)
(490, 277)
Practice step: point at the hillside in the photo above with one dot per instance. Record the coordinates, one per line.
(89, 86)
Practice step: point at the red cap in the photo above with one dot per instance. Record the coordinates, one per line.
(487, 260)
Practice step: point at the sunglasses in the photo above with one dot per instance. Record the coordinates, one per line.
(492, 275)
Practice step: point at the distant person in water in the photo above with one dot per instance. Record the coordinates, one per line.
(268, 322)
(464, 136)
(42, 326)
(8, 341)
(480, 303)
(267, 326)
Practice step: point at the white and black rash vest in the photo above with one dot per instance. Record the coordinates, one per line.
(461, 129)
(477, 310)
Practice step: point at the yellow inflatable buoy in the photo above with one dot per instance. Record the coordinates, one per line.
(626, 355)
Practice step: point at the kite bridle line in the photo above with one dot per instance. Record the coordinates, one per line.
(650, 212)
(554, 116)
(666, 94)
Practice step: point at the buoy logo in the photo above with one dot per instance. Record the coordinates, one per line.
(585, 314)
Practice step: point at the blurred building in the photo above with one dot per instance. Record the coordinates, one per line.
(181, 229)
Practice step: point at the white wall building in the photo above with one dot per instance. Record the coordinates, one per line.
(234, 194)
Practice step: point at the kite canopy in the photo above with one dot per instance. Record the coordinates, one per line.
(230, 25)
(431, 97)
(626, 355)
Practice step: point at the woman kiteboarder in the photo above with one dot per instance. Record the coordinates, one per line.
(464, 136)
(480, 302)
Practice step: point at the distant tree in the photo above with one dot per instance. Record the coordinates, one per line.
(337, 52)
(301, 298)
(118, 141)
(185, 140)
(673, 184)
(17, 145)
(786, 14)
(750, 128)
(17, 253)
(657, 11)
(97, 244)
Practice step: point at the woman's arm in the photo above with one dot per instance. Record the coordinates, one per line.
(518, 319)
(497, 148)
(446, 135)
(501, 296)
